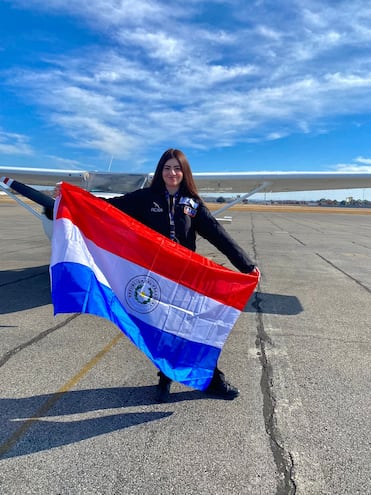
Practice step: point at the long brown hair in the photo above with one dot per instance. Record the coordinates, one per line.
(188, 186)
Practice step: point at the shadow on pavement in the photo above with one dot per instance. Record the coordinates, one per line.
(30, 288)
(24, 288)
(28, 425)
(277, 304)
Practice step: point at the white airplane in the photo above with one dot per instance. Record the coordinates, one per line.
(245, 184)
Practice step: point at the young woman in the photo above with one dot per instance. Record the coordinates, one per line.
(173, 207)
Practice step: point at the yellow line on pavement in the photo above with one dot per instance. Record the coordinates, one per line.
(13, 439)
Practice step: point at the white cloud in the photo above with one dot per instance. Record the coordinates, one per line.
(158, 45)
(14, 144)
(344, 81)
(93, 134)
(159, 72)
(354, 167)
(108, 14)
(269, 32)
(64, 162)
(361, 159)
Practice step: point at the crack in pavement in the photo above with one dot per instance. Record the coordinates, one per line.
(297, 240)
(344, 273)
(35, 339)
(283, 459)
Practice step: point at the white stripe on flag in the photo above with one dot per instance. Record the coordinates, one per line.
(151, 298)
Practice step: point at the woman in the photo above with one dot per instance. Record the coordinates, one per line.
(172, 207)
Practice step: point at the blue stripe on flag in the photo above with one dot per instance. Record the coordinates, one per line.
(75, 289)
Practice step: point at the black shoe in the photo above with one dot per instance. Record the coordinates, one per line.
(219, 387)
(163, 387)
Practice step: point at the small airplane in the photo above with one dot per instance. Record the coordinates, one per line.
(108, 184)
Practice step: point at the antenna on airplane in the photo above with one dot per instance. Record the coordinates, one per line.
(110, 163)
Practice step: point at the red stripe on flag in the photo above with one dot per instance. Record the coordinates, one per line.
(122, 235)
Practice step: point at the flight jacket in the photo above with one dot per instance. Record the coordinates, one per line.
(191, 217)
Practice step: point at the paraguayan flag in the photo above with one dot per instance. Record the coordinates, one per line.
(173, 304)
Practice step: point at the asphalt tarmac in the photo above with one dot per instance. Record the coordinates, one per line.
(78, 413)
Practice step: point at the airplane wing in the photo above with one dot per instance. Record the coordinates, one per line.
(105, 182)
(243, 183)
(207, 182)
(250, 183)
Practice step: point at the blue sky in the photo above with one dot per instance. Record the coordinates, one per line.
(236, 84)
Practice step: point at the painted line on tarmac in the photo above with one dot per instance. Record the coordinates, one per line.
(13, 439)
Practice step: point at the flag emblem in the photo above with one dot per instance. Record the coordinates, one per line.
(143, 294)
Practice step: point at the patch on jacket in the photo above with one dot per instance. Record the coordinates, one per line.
(190, 206)
(189, 211)
(156, 208)
(189, 201)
